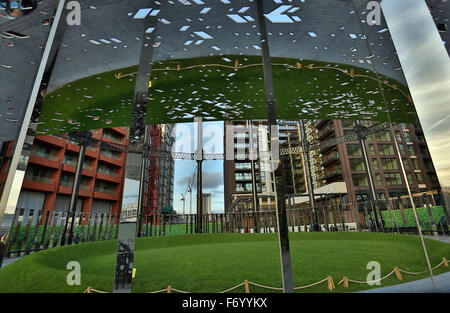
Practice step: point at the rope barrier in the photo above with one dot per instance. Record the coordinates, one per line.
(232, 288)
(329, 279)
(397, 272)
(310, 285)
(344, 71)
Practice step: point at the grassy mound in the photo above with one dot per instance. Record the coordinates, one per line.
(215, 262)
(216, 89)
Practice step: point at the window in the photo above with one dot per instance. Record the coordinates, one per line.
(406, 164)
(407, 136)
(372, 150)
(357, 164)
(386, 149)
(410, 179)
(398, 135)
(360, 180)
(401, 147)
(375, 165)
(378, 179)
(383, 136)
(415, 164)
(393, 178)
(389, 164)
(411, 150)
(354, 150)
(419, 178)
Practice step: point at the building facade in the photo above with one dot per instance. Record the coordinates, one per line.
(238, 173)
(342, 162)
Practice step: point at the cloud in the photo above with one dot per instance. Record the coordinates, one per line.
(211, 180)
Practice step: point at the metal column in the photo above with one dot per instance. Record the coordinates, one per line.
(309, 182)
(75, 190)
(283, 235)
(25, 138)
(133, 171)
(369, 173)
(199, 158)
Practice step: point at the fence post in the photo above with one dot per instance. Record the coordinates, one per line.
(398, 273)
(345, 281)
(169, 289)
(247, 288)
(445, 262)
(330, 283)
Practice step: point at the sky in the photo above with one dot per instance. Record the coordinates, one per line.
(426, 65)
(212, 170)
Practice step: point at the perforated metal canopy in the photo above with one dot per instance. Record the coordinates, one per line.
(327, 63)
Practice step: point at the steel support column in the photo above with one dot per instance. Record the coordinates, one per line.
(68, 230)
(133, 170)
(283, 235)
(27, 132)
(369, 173)
(309, 182)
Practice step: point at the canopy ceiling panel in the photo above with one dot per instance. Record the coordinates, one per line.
(327, 63)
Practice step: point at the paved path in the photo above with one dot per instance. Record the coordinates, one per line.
(9, 261)
(418, 286)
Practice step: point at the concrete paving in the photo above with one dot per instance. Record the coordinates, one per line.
(419, 286)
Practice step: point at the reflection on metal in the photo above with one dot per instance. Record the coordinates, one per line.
(279, 174)
(370, 177)
(419, 228)
(199, 159)
(68, 231)
(25, 139)
(309, 182)
(135, 163)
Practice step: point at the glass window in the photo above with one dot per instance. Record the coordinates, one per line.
(354, 150)
(372, 150)
(378, 179)
(383, 136)
(393, 178)
(360, 180)
(398, 135)
(375, 165)
(410, 179)
(411, 150)
(406, 164)
(419, 178)
(389, 164)
(386, 149)
(407, 136)
(401, 147)
(357, 164)
(415, 164)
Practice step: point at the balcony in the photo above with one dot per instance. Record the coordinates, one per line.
(38, 183)
(109, 177)
(326, 131)
(111, 160)
(44, 159)
(330, 158)
(52, 141)
(333, 174)
(320, 123)
(105, 194)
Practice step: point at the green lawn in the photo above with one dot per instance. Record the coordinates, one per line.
(210, 87)
(215, 262)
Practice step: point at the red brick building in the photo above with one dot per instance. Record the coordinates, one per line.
(51, 170)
